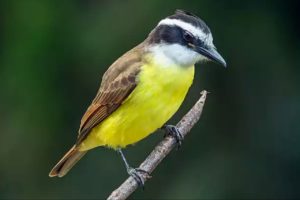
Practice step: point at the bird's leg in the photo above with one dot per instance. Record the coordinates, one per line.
(134, 172)
(174, 132)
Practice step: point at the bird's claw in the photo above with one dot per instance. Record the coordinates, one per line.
(174, 132)
(136, 174)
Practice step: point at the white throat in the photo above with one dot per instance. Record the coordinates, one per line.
(174, 54)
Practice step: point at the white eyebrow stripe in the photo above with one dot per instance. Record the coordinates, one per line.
(186, 26)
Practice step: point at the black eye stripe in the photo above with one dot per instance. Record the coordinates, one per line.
(188, 36)
(175, 35)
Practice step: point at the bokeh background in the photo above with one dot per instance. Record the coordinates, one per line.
(246, 145)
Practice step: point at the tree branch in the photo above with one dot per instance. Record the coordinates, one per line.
(161, 150)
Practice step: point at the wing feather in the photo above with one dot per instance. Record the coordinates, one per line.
(117, 83)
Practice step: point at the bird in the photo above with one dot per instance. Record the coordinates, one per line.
(143, 89)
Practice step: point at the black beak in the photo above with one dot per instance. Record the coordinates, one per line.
(212, 54)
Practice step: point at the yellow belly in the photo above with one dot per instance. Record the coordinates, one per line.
(158, 95)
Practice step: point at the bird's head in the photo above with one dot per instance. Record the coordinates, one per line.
(184, 39)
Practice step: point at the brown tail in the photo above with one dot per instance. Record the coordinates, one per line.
(67, 162)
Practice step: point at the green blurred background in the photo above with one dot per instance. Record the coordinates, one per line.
(246, 145)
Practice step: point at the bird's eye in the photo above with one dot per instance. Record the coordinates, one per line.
(188, 36)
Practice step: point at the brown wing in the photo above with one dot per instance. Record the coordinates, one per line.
(117, 83)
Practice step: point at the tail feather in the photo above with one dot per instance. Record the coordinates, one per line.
(67, 162)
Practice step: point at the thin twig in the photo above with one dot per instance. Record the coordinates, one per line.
(161, 150)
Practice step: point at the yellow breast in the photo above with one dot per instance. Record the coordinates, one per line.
(158, 95)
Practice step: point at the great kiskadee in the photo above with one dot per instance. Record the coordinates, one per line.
(142, 89)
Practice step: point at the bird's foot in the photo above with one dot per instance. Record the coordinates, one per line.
(136, 174)
(174, 132)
